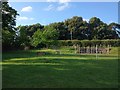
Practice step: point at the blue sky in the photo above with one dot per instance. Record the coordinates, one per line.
(49, 12)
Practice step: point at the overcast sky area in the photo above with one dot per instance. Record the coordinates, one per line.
(52, 11)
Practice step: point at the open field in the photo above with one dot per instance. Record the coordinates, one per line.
(25, 69)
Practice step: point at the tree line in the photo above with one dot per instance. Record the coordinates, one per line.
(38, 35)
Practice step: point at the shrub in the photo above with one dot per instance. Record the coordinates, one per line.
(113, 42)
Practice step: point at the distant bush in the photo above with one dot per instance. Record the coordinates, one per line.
(90, 42)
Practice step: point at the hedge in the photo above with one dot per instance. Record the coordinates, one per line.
(113, 42)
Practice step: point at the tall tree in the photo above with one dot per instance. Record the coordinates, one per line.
(73, 24)
(31, 29)
(61, 29)
(83, 32)
(50, 33)
(37, 38)
(103, 32)
(8, 25)
(94, 24)
(23, 38)
(25, 34)
(45, 37)
(115, 29)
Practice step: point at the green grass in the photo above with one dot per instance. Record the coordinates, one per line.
(24, 69)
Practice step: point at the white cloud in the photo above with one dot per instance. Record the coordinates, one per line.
(52, 0)
(60, 1)
(27, 9)
(62, 7)
(50, 7)
(63, 4)
(31, 18)
(64, 1)
(24, 18)
(86, 20)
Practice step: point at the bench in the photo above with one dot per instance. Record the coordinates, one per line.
(57, 52)
(41, 53)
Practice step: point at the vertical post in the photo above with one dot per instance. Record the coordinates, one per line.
(87, 49)
(71, 34)
(96, 52)
(75, 49)
(108, 49)
(91, 49)
(79, 48)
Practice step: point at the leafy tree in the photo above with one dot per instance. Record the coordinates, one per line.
(45, 36)
(23, 38)
(115, 33)
(8, 16)
(7, 39)
(61, 29)
(50, 36)
(8, 26)
(102, 32)
(25, 34)
(37, 38)
(72, 25)
(94, 24)
(31, 29)
(50, 33)
(83, 31)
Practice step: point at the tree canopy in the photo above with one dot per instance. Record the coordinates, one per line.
(8, 25)
(75, 28)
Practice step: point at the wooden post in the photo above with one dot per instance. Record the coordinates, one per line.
(96, 52)
(91, 49)
(74, 48)
(79, 48)
(71, 34)
(108, 49)
(87, 50)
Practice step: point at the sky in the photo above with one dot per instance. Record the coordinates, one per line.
(50, 12)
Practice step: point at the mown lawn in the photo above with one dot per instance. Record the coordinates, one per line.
(25, 69)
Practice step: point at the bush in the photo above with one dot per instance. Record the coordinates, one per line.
(113, 42)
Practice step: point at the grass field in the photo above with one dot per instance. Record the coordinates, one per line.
(25, 69)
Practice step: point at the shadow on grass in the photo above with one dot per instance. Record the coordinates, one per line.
(28, 54)
(26, 69)
(67, 74)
